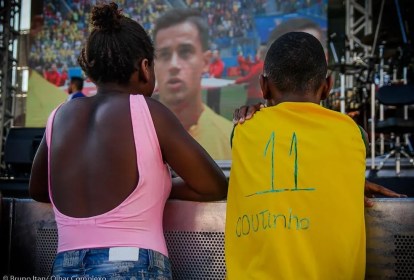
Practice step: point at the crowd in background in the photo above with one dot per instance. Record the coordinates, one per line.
(228, 18)
(60, 39)
(64, 25)
(291, 6)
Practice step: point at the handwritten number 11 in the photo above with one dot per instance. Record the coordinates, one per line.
(272, 162)
(294, 149)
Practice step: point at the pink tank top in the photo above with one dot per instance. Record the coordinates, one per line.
(137, 221)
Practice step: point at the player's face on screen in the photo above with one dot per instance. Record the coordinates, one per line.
(180, 63)
(314, 32)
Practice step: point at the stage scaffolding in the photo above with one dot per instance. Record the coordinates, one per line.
(9, 35)
(358, 23)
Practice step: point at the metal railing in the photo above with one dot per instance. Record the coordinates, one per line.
(195, 238)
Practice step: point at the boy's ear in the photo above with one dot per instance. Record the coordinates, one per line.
(264, 85)
(327, 88)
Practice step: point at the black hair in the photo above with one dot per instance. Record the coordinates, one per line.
(115, 46)
(77, 81)
(291, 25)
(296, 62)
(178, 16)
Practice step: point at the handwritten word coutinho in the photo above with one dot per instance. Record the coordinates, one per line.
(265, 220)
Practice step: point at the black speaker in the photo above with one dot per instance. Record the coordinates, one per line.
(20, 148)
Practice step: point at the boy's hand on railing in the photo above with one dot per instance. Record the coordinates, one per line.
(371, 189)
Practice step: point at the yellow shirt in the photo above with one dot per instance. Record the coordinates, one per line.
(295, 206)
(213, 133)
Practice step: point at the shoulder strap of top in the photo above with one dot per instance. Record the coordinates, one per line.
(145, 136)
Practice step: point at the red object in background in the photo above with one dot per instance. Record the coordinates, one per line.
(244, 65)
(216, 69)
(252, 80)
(233, 72)
(53, 77)
(63, 78)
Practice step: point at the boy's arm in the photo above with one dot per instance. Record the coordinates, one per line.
(232, 135)
(364, 135)
(372, 189)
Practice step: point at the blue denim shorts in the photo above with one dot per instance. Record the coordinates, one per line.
(111, 263)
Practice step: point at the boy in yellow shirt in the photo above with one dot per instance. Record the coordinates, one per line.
(295, 202)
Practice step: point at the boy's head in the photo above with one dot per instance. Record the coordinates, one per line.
(295, 69)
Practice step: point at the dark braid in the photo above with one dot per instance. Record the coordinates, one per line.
(115, 46)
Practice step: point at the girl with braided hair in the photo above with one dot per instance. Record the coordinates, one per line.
(108, 187)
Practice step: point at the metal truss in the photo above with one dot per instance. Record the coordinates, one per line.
(9, 35)
(358, 23)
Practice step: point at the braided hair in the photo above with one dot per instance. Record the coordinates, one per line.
(114, 47)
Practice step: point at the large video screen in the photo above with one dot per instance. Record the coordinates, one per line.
(202, 94)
